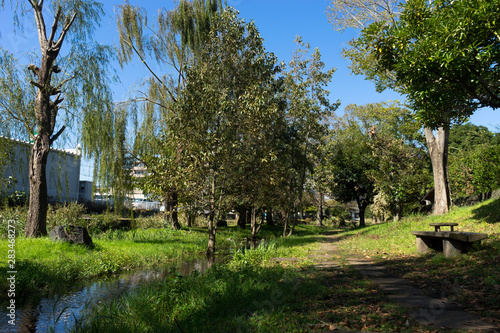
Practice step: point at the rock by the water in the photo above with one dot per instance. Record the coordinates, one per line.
(72, 234)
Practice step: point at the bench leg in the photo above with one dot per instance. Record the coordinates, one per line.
(452, 247)
(426, 244)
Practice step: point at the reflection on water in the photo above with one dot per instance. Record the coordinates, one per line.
(59, 312)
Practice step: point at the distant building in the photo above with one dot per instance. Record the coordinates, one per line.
(63, 170)
(85, 191)
(136, 199)
(354, 211)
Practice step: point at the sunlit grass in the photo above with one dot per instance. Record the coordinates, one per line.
(395, 238)
(45, 266)
(471, 279)
(250, 294)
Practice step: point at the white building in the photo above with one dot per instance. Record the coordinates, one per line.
(63, 170)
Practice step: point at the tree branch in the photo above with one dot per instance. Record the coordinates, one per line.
(55, 136)
(54, 26)
(40, 23)
(34, 69)
(64, 31)
(36, 84)
(149, 69)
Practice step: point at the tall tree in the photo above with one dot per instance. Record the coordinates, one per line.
(372, 18)
(177, 38)
(228, 102)
(349, 160)
(445, 55)
(308, 110)
(398, 145)
(71, 85)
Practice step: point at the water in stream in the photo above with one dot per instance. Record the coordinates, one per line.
(59, 312)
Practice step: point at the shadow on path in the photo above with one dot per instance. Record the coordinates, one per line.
(429, 309)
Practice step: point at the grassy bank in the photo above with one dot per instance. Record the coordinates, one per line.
(250, 294)
(472, 279)
(255, 294)
(44, 266)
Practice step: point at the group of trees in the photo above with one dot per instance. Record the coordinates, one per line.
(377, 150)
(442, 55)
(221, 124)
(231, 127)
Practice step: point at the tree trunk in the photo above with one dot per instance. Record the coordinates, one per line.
(253, 224)
(319, 214)
(295, 213)
(285, 219)
(269, 217)
(36, 223)
(242, 218)
(211, 220)
(211, 234)
(172, 217)
(438, 151)
(45, 111)
(362, 209)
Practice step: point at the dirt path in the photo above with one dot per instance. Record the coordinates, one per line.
(428, 308)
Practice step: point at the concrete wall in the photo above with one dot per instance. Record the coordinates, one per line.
(63, 171)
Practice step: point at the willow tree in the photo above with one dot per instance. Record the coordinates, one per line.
(176, 39)
(62, 86)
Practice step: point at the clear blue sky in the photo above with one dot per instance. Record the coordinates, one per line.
(279, 22)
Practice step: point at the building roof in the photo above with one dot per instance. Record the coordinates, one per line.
(75, 152)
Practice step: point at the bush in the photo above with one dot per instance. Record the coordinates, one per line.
(18, 214)
(475, 171)
(63, 214)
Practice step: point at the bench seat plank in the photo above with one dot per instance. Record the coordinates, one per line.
(467, 237)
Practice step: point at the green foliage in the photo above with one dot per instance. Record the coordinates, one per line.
(468, 136)
(473, 160)
(225, 122)
(444, 56)
(381, 147)
(64, 214)
(42, 93)
(308, 111)
(475, 170)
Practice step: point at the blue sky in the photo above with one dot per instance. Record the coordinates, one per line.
(279, 22)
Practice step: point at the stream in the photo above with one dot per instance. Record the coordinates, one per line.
(59, 312)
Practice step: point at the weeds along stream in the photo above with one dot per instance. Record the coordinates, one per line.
(59, 312)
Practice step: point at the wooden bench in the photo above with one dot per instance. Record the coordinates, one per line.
(451, 243)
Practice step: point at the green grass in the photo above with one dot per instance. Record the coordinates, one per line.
(471, 279)
(251, 295)
(45, 267)
(395, 238)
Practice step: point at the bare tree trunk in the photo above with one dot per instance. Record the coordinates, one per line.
(36, 223)
(45, 117)
(438, 151)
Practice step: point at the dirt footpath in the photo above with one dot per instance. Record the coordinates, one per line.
(428, 308)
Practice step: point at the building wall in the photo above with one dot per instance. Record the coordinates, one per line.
(63, 171)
